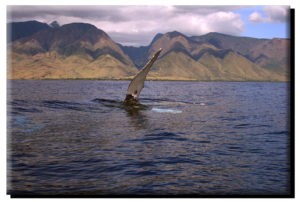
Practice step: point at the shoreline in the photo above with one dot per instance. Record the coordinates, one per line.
(164, 80)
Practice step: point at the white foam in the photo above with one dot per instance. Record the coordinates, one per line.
(172, 111)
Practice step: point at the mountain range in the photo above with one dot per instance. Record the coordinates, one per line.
(82, 51)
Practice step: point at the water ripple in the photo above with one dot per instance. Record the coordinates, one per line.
(66, 139)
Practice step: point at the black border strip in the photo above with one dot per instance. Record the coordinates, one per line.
(292, 103)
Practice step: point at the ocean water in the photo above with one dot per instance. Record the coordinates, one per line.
(76, 137)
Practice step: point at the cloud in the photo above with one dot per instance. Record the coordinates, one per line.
(277, 14)
(273, 14)
(256, 17)
(137, 25)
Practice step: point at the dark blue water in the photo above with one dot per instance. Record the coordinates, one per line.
(76, 137)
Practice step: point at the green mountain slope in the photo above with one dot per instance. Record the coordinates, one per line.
(210, 67)
(71, 51)
(234, 67)
(82, 51)
(178, 66)
(271, 54)
(222, 57)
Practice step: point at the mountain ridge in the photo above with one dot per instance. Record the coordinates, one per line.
(81, 50)
(75, 50)
(17, 30)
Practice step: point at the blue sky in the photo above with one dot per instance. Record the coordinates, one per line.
(137, 25)
(263, 29)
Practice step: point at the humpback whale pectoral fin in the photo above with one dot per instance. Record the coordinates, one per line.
(137, 84)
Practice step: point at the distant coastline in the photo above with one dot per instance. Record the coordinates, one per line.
(84, 79)
(82, 51)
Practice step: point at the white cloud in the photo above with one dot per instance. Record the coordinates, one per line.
(226, 22)
(255, 17)
(139, 24)
(277, 14)
(273, 14)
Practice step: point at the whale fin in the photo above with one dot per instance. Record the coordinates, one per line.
(137, 84)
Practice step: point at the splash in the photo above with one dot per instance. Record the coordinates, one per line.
(172, 111)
